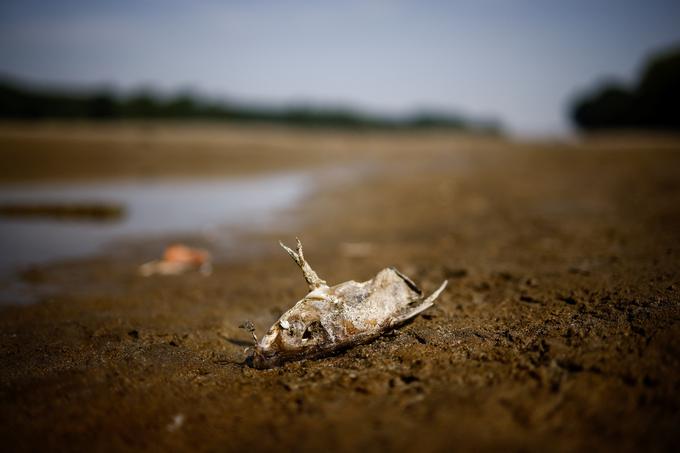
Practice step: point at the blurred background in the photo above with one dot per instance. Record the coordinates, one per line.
(105, 106)
(154, 153)
(529, 68)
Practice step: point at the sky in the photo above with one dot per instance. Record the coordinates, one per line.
(520, 61)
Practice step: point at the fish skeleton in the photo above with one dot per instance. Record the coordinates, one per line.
(333, 318)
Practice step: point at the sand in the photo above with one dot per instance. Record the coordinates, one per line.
(559, 329)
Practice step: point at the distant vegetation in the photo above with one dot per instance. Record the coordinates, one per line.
(19, 101)
(653, 103)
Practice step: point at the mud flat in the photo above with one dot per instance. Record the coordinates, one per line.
(560, 328)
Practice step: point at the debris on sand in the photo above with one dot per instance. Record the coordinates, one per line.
(178, 259)
(330, 319)
(356, 249)
(176, 423)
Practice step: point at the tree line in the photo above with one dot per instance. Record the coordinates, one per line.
(652, 103)
(24, 102)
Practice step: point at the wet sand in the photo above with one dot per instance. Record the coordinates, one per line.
(559, 329)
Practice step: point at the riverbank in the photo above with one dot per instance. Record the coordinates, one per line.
(559, 329)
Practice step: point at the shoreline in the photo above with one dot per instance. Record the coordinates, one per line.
(558, 328)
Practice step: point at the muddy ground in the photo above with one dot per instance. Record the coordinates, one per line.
(560, 328)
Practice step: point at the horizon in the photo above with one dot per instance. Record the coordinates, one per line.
(519, 64)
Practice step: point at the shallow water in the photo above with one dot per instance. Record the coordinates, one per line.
(152, 208)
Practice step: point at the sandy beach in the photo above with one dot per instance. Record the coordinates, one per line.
(560, 328)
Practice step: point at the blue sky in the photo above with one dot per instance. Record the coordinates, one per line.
(518, 60)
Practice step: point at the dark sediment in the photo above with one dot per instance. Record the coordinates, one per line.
(559, 329)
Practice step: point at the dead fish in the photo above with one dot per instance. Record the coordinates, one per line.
(333, 318)
(178, 259)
